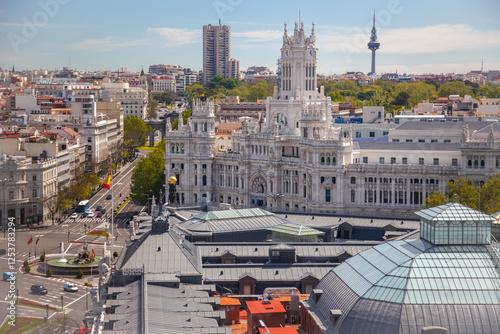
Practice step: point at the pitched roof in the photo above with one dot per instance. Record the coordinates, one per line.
(295, 229)
(453, 212)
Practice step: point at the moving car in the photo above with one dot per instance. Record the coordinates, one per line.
(98, 208)
(90, 215)
(70, 287)
(74, 215)
(84, 215)
(88, 211)
(38, 289)
(108, 197)
(2, 251)
(103, 211)
(99, 215)
(8, 276)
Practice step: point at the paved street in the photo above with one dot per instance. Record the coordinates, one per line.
(75, 303)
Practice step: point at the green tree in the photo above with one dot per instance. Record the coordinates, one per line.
(135, 132)
(260, 90)
(167, 97)
(464, 192)
(435, 199)
(490, 195)
(185, 115)
(149, 175)
(454, 88)
(79, 273)
(402, 99)
(194, 91)
(485, 198)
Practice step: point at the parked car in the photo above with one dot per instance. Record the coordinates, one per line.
(8, 276)
(74, 215)
(90, 215)
(88, 211)
(38, 289)
(84, 215)
(98, 208)
(99, 214)
(108, 197)
(70, 287)
(103, 211)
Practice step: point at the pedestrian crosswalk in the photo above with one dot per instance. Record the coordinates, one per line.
(88, 224)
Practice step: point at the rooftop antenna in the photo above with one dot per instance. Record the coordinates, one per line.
(299, 16)
(481, 66)
(220, 23)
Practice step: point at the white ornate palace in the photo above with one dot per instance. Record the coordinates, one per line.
(295, 159)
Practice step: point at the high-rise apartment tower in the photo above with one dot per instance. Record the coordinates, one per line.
(217, 52)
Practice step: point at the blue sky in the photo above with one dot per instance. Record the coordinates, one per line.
(416, 36)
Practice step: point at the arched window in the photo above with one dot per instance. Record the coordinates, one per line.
(476, 163)
(322, 179)
(322, 160)
(482, 163)
(334, 180)
(327, 160)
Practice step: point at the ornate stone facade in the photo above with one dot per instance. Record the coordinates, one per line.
(296, 160)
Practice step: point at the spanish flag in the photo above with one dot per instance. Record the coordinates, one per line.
(107, 183)
(30, 241)
(93, 254)
(116, 238)
(37, 239)
(202, 95)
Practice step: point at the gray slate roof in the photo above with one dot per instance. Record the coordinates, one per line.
(331, 221)
(231, 221)
(301, 249)
(265, 273)
(409, 146)
(159, 253)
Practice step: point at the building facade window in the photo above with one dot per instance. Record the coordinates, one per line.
(404, 161)
(454, 162)
(436, 161)
(420, 161)
(365, 160)
(393, 160)
(381, 160)
(327, 195)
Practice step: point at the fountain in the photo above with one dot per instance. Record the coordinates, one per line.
(62, 259)
(84, 261)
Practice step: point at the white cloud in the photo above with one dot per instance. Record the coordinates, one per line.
(259, 35)
(104, 44)
(176, 36)
(430, 39)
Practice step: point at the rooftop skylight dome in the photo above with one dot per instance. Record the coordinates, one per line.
(447, 281)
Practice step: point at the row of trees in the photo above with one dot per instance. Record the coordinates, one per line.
(219, 87)
(482, 197)
(394, 96)
(88, 176)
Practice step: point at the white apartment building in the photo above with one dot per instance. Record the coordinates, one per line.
(134, 100)
(25, 182)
